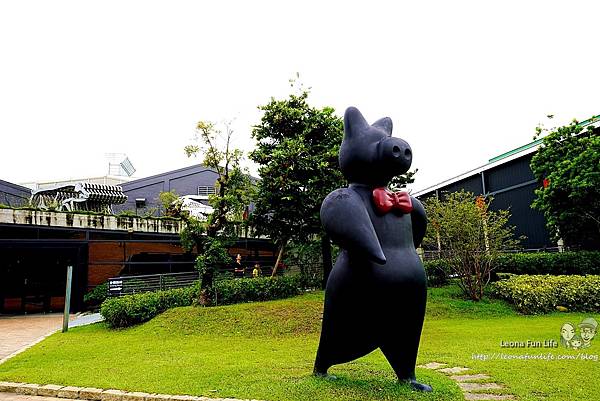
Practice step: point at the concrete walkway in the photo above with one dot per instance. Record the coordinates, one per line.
(19, 332)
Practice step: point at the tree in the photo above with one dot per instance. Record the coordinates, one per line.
(470, 236)
(567, 165)
(233, 192)
(401, 181)
(297, 153)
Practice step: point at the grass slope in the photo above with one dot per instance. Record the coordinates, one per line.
(266, 350)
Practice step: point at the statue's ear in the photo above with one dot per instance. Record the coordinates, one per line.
(354, 122)
(385, 124)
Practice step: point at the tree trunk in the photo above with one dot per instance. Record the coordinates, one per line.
(326, 255)
(279, 256)
(205, 298)
(206, 287)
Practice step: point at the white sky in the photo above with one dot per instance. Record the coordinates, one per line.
(463, 81)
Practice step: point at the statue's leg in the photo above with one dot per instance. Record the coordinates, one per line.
(400, 343)
(321, 365)
(348, 327)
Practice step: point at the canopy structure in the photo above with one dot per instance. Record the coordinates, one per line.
(196, 206)
(81, 196)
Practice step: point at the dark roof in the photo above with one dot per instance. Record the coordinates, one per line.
(190, 170)
(197, 168)
(16, 187)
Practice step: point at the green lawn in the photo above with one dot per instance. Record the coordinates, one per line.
(266, 350)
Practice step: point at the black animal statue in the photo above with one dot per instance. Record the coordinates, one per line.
(376, 293)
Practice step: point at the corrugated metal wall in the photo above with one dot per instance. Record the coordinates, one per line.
(512, 185)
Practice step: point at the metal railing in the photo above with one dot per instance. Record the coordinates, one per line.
(125, 285)
(435, 254)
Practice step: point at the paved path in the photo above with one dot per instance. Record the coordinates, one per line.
(85, 319)
(17, 332)
(471, 384)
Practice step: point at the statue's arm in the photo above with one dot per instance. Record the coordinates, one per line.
(346, 220)
(419, 221)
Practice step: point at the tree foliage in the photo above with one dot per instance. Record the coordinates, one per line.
(470, 236)
(567, 166)
(233, 194)
(297, 153)
(168, 201)
(401, 181)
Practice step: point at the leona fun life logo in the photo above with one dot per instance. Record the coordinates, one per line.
(578, 336)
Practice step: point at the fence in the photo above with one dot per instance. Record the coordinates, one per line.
(435, 254)
(118, 286)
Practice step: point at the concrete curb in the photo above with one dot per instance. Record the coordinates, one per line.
(96, 394)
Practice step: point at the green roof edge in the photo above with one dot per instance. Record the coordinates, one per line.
(537, 141)
(517, 150)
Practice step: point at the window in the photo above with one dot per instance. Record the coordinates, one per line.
(206, 190)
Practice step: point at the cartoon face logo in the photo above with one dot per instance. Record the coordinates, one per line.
(576, 342)
(567, 332)
(587, 329)
(569, 337)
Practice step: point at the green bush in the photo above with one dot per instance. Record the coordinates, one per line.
(559, 263)
(437, 271)
(542, 294)
(256, 289)
(137, 308)
(582, 262)
(97, 295)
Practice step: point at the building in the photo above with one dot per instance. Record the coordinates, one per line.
(36, 246)
(13, 195)
(143, 194)
(509, 179)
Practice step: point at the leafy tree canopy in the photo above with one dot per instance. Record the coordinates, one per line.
(567, 166)
(234, 190)
(297, 153)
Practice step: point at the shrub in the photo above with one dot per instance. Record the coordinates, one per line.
(542, 294)
(96, 296)
(256, 289)
(437, 272)
(471, 234)
(560, 263)
(582, 262)
(137, 308)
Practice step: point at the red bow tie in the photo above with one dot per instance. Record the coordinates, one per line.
(386, 200)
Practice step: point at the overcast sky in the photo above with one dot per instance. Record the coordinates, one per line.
(463, 81)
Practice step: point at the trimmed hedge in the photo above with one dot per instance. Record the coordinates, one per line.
(542, 294)
(137, 308)
(559, 263)
(257, 289)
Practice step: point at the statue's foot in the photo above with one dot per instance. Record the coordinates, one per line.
(324, 375)
(415, 385)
